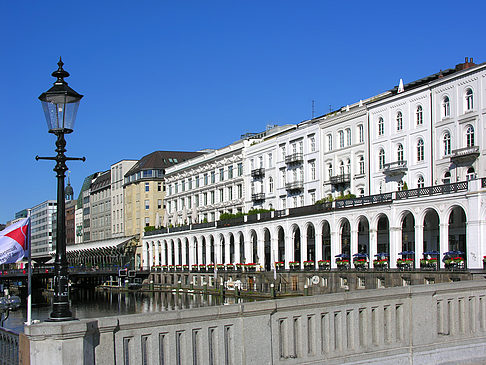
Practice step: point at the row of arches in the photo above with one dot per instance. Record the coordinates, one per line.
(314, 241)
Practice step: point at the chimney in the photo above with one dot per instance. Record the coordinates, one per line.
(467, 64)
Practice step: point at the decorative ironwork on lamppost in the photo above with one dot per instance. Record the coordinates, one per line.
(60, 104)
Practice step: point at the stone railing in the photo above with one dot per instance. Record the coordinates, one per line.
(406, 325)
(9, 347)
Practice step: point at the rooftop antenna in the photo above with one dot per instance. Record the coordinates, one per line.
(313, 110)
(330, 108)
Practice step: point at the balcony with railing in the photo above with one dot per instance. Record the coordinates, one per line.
(295, 185)
(258, 173)
(465, 155)
(258, 197)
(395, 168)
(342, 179)
(294, 158)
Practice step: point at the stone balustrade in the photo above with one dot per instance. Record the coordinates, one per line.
(425, 324)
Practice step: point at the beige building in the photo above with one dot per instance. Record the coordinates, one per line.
(118, 171)
(144, 191)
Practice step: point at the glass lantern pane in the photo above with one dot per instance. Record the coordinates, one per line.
(60, 115)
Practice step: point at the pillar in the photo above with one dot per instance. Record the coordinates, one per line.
(335, 250)
(157, 258)
(373, 245)
(395, 245)
(443, 242)
(353, 244)
(419, 244)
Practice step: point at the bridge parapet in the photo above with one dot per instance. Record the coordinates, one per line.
(413, 324)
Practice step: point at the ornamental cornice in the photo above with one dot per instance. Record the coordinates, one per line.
(379, 110)
(418, 98)
(444, 88)
(396, 105)
(467, 81)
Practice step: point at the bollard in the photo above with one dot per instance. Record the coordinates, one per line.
(151, 285)
(306, 290)
(272, 291)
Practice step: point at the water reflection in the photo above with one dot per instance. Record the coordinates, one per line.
(87, 303)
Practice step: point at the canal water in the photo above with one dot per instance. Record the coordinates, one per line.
(89, 303)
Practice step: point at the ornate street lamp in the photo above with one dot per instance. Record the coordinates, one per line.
(60, 104)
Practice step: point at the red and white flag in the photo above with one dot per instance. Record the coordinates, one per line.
(13, 242)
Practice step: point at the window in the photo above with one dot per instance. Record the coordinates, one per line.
(400, 152)
(419, 115)
(294, 147)
(420, 150)
(213, 177)
(282, 151)
(446, 107)
(469, 99)
(147, 221)
(197, 181)
(471, 174)
(329, 142)
(400, 185)
(196, 200)
(159, 204)
(447, 178)
(361, 133)
(399, 121)
(313, 197)
(348, 137)
(341, 168)
(206, 179)
(329, 170)
(159, 186)
(230, 172)
(240, 169)
(446, 140)
(361, 165)
(189, 183)
(221, 174)
(341, 139)
(147, 187)
(240, 191)
(230, 193)
(313, 170)
(221, 195)
(283, 203)
(284, 177)
(381, 159)
(212, 197)
(301, 147)
(261, 161)
(183, 185)
(270, 184)
(205, 198)
(348, 166)
(470, 136)
(381, 126)
(361, 192)
(312, 143)
(189, 202)
(270, 160)
(420, 182)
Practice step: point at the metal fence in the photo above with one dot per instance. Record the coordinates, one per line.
(9, 347)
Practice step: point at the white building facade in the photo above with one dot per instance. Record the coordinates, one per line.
(42, 227)
(412, 161)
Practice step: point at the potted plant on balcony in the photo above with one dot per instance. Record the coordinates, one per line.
(163, 267)
(309, 265)
(484, 262)
(239, 266)
(360, 263)
(294, 265)
(342, 264)
(251, 266)
(171, 267)
(194, 267)
(405, 264)
(220, 267)
(230, 267)
(210, 267)
(178, 267)
(202, 267)
(381, 263)
(279, 265)
(185, 267)
(324, 264)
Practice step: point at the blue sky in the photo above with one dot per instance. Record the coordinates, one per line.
(188, 75)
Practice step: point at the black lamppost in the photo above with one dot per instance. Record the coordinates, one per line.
(60, 104)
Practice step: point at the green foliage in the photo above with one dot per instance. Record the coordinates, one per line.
(258, 211)
(347, 196)
(149, 228)
(327, 199)
(227, 216)
(405, 186)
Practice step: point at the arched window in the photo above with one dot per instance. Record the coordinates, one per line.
(341, 139)
(348, 137)
(470, 136)
(419, 116)
(420, 182)
(361, 192)
(471, 174)
(400, 185)
(381, 159)
(399, 121)
(361, 165)
(420, 150)
(341, 168)
(447, 177)
(329, 142)
(381, 126)
(270, 184)
(348, 166)
(329, 170)
(400, 152)
(446, 107)
(361, 133)
(469, 99)
(447, 143)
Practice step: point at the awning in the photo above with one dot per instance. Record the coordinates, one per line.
(96, 246)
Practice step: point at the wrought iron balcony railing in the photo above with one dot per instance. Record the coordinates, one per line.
(340, 179)
(258, 173)
(296, 185)
(465, 155)
(294, 158)
(395, 168)
(258, 197)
